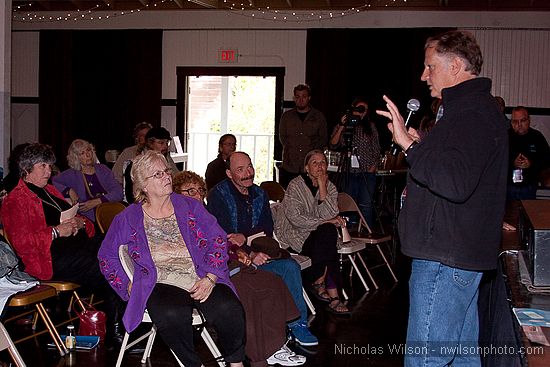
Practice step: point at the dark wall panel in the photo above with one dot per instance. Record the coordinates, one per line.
(345, 63)
(96, 85)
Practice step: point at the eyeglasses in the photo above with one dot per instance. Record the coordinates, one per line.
(193, 191)
(160, 174)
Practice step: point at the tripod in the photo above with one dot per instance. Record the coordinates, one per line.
(360, 185)
(344, 165)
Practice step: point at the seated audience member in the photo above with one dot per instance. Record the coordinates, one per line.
(215, 171)
(529, 154)
(242, 209)
(51, 249)
(267, 302)
(140, 130)
(87, 182)
(180, 256)
(157, 139)
(307, 222)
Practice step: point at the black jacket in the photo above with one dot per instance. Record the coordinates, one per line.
(456, 187)
(534, 146)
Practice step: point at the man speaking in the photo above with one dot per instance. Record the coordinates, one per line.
(456, 188)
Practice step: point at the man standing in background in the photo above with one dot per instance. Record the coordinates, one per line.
(301, 130)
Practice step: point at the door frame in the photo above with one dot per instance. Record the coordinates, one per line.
(182, 72)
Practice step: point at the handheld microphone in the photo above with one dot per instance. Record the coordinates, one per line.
(412, 106)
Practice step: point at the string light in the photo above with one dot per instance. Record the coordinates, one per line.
(245, 9)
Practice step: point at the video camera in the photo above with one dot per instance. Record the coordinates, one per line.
(351, 119)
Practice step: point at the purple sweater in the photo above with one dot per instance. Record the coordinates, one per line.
(73, 179)
(205, 240)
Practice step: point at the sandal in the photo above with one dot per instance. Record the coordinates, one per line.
(319, 290)
(337, 307)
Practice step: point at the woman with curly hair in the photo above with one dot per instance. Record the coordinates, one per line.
(87, 182)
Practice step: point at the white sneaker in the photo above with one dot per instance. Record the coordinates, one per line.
(286, 357)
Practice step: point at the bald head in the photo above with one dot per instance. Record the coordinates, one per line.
(240, 171)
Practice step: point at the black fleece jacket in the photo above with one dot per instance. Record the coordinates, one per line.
(456, 187)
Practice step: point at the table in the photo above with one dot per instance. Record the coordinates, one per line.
(499, 292)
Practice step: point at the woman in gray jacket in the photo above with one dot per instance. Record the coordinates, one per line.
(306, 221)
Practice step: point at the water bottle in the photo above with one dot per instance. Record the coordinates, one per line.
(70, 339)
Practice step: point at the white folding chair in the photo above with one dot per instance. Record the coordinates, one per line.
(351, 250)
(305, 262)
(7, 343)
(151, 334)
(347, 204)
(302, 260)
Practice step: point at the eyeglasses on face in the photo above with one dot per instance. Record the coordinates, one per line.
(193, 191)
(159, 174)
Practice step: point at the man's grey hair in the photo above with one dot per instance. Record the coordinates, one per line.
(461, 44)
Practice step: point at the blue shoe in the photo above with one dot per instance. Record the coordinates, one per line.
(301, 334)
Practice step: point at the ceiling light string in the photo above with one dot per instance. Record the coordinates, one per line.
(78, 15)
(22, 14)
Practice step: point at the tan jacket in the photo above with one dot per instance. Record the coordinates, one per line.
(300, 213)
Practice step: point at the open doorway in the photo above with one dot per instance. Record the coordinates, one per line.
(246, 102)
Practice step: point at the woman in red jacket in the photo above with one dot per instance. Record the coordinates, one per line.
(51, 248)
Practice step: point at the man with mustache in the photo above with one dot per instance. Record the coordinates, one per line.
(242, 210)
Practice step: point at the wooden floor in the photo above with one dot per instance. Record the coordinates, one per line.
(377, 324)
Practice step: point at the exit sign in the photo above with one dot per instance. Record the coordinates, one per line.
(228, 55)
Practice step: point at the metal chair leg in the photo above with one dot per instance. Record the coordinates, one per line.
(308, 302)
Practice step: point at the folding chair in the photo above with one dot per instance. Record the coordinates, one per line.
(302, 260)
(151, 334)
(275, 192)
(35, 296)
(106, 212)
(7, 343)
(62, 286)
(347, 204)
(305, 262)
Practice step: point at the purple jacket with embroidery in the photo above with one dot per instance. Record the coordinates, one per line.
(205, 240)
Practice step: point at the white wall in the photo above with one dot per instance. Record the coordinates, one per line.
(286, 48)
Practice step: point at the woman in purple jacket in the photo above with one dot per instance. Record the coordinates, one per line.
(180, 263)
(86, 181)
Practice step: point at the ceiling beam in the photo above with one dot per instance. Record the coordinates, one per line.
(144, 2)
(211, 4)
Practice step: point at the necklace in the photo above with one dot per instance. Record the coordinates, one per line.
(53, 203)
(159, 218)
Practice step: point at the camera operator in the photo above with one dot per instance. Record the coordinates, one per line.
(356, 134)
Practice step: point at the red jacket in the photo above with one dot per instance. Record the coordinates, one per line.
(25, 226)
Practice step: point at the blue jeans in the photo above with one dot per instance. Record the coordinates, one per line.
(443, 316)
(289, 270)
(361, 186)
